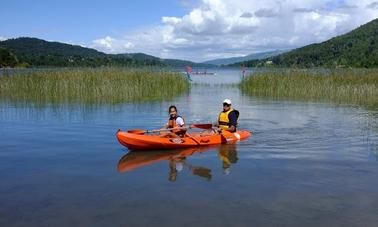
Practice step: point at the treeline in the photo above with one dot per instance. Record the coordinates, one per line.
(7, 59)
(358, 48)
(36, 59)
(36, 52)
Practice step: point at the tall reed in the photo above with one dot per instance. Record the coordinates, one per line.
(354, 86)
(93, 86)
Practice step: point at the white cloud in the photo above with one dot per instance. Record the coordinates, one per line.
(373, 5)
(171, 20)
(111, 45)
(266, 13)
(247, 15)
(2, 38)
(223, 28)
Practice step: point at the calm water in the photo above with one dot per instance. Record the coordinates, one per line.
(307, 164)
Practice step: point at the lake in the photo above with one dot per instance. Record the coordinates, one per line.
(307, 164)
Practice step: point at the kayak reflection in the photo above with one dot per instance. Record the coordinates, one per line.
(178, 160)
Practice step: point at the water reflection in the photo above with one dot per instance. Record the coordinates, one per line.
(229, 156)
(177, 164)
(137, 159)
(178, 160)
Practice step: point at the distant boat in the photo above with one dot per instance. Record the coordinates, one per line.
(199, 73)
(189, 71)
(202, 73)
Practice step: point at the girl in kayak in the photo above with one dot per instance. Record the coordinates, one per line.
(175, 121)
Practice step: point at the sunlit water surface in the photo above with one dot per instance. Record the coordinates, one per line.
(307, 164)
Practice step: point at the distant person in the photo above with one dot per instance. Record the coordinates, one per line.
(228, 118)
(174, 121)
(244, 70)
(188, 70)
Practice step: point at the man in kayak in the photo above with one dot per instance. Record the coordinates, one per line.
(228, 118)
(175, 121)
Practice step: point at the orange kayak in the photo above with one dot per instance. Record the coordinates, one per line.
(135, 141)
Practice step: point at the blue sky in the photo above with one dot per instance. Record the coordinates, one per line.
(81, 21)
(195, 30)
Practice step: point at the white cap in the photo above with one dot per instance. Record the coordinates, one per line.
(228, 101)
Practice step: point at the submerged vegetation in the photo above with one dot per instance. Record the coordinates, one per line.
(93, 86)
(353, 86)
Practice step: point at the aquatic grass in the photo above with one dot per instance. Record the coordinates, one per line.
(93, 86)
(352, 86)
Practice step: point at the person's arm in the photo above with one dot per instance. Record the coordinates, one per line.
(165, 126)
(180, 122)
(216, 123)
(233, 122)
(231, 128)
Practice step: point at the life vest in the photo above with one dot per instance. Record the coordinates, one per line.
(224, 121)
(172, 124)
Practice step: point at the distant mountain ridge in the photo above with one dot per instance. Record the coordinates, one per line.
(38, 52)
(357, 48)
(261, 55)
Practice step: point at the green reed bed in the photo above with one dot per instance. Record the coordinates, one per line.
(353, 86)
(93, 86)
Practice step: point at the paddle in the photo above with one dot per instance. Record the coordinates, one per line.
(141, 131)
(202, 126)
(191, 137)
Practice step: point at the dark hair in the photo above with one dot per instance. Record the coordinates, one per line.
(169, 109)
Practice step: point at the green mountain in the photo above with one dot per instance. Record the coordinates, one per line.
(227, 61)
(358, 48)
(167, 62)
(38, 52)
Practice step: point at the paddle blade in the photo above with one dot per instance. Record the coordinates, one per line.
(137, 131)
(202, 126)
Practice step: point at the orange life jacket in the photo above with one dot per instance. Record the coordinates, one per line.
(172, 124)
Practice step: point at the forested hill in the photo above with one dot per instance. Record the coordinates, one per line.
(358, 48)
(256, 56)
(38, 52)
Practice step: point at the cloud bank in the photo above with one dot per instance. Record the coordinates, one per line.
(228, 28)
